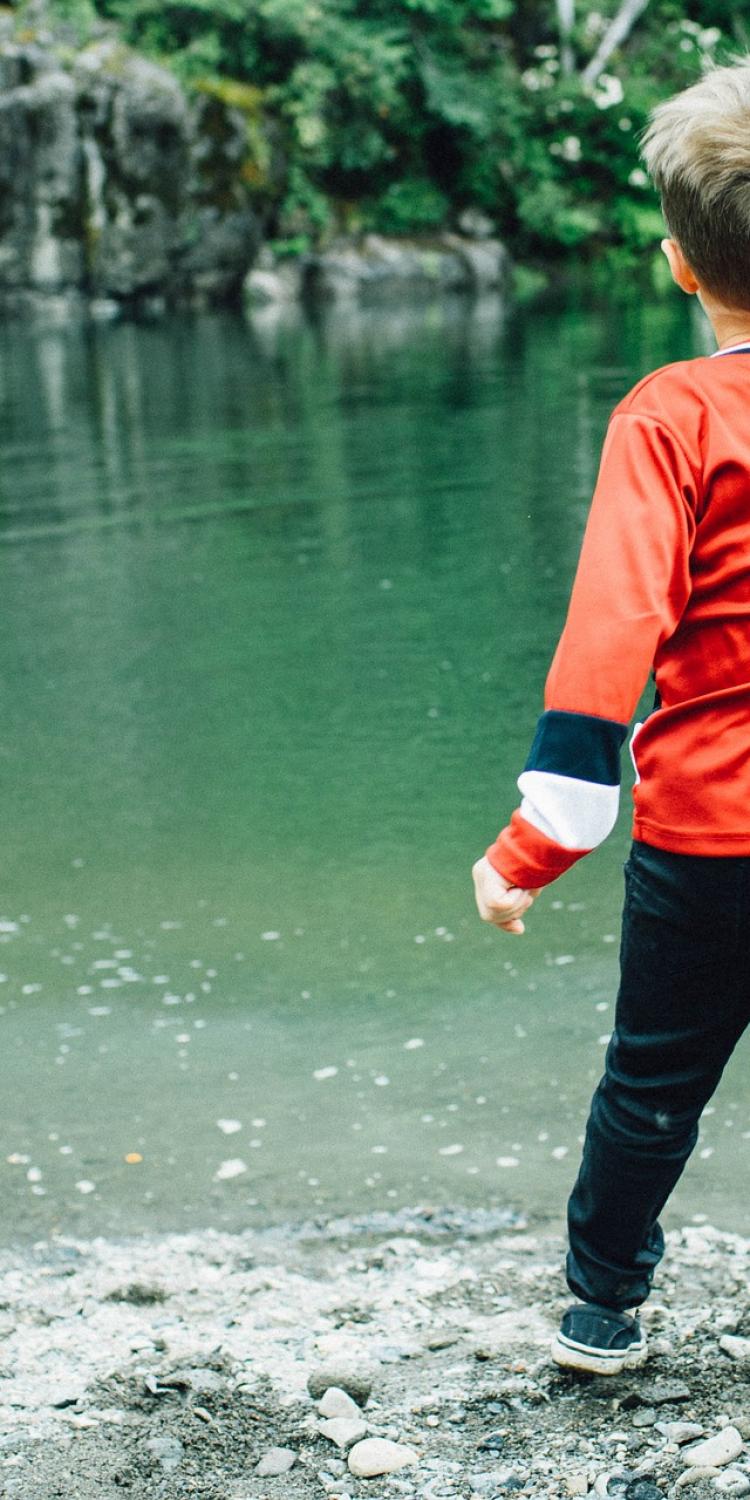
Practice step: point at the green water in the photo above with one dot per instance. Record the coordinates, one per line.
(278, 602)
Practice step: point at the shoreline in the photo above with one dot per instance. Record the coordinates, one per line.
(170, 1365)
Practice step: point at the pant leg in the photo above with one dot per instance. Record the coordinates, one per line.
(683, 1002)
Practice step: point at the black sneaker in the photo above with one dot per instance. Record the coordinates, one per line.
(598, 1340)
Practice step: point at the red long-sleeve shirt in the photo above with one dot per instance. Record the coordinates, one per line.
(662, 585)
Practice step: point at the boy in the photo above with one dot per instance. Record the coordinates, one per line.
(663, 583)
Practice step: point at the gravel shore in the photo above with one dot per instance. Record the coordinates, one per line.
(180, 1365)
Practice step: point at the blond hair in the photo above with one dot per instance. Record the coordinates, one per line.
(696, 148)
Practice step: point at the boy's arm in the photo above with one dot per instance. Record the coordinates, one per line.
(630, 589)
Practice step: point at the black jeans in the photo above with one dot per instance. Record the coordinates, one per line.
(683, 1002)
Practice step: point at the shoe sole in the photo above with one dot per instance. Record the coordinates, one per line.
(572, 1356)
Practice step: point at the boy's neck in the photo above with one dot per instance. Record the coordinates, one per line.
(739, 334)
(731, 325)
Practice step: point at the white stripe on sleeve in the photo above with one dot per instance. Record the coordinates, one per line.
(576, 814)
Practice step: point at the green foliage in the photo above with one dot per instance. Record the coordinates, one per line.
(397, 114)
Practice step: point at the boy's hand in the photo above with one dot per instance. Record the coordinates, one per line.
(500, 903)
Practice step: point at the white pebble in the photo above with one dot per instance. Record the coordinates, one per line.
(379, 1456)
(325, 1073)
(234, 1167)
(84, 1186)
(343, 1431)
(715, 1451)
(229, 1127)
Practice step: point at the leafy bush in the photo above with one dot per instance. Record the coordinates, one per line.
(398, 114)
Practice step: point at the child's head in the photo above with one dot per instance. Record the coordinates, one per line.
(697, 151)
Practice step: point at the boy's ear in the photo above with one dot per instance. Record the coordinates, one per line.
(681, 272)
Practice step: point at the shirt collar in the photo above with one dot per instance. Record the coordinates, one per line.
(732, 349)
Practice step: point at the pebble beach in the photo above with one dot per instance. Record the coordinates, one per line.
(401, 1355)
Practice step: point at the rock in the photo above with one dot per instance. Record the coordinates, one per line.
(716, 1451)
(343, 1431)
(732, 1482)
(662, 1392)
(443, 1341)
(376, 266)
(193, 1377)
(492, 1442)
(680, 1432)
(737, 1348)
(276, 1461)
(576, 1484)
(280, 282)
(694, 1476)
(483, 1483)
(168, 1451)
(336, 1403)
(117, 186)
(68, 1396)
(642, 1489)
(487, 263)
(356, 1383)
(645, 1417)
(475, 224)
(609, 1486)
(379, 1456)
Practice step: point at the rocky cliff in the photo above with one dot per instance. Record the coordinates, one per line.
(120, 191)
(114, 184)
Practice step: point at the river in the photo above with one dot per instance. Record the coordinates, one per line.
(279, 597)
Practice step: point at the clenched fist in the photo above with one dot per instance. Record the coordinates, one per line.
(499, 903)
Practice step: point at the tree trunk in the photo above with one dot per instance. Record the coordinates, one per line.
(566, 14)
(619, 28)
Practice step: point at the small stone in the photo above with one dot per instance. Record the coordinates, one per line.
(662, 1392)
(715, 1451)
(276, 1461)
(737, 1348)
(607, 1486)
(379, 1456)
(483, 1483)
(168, 1451)
(645, 1417)
(343, 1431)
(491, 1442)
(680, 1432)
(732, 1482)
(442, 1341)
(356, 1383)
(336, 1403)
(577, 1484)
(693, 1476)
(641, 1489)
